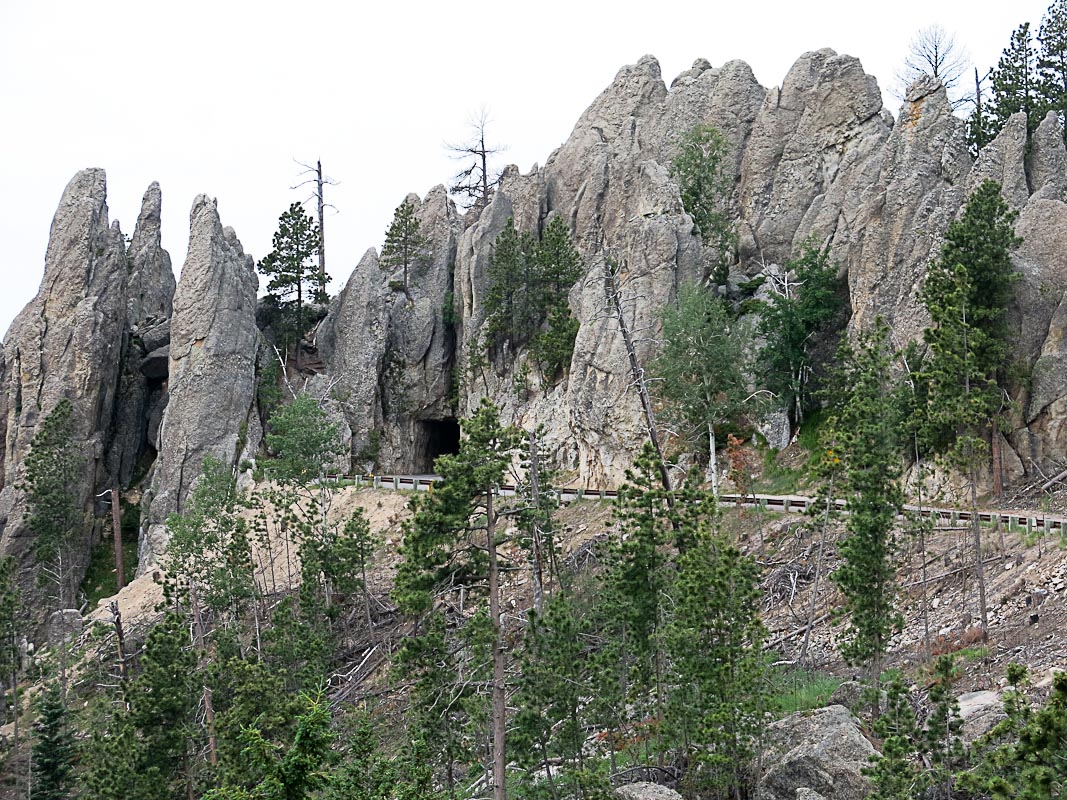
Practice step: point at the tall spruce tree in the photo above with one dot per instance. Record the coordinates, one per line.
(1015, 84)
(53, 746)
(966, 292)
(406, 246)
(866, 435)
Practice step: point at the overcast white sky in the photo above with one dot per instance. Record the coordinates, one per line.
(220, 97)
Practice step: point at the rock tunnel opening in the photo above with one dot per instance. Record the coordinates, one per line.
(435, 437)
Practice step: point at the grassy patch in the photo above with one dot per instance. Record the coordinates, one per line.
(100, 579)
(776, 478)
(797, 689)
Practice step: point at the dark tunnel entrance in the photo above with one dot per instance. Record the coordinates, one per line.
(434, 437)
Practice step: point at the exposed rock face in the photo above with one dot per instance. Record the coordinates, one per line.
(816, 147)
(819, 157)
(352, 339)
(149, 300)
(66, 343)
(391, 350)
(907, 209)
(822, 751)
(213, 345)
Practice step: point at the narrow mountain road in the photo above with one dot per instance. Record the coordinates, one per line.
(1023, 520)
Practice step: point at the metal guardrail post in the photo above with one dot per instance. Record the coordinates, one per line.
(377, 482)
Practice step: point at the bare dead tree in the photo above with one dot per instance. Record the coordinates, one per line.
(318, 180)
(475, 185)
(615, 302)
(934, 51)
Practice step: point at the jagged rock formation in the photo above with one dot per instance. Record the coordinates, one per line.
(391, 350)
(817, 158)
(150, 295)
(212, 372)
(66, 343)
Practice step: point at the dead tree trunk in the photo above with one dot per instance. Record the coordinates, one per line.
(612, 291)
(499, 708)
(535, 501)
(116, 524)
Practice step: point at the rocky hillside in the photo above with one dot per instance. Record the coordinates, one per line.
(160, 377)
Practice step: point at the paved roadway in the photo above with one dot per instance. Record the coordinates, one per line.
(1028, 520)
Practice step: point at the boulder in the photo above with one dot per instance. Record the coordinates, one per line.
(646, 791)
(979, 712)
(211, 385)
(822, 751)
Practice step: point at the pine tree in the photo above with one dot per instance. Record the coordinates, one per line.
(706, 184)
(549, 725)
(11, 623)
(1022, 756)
(701, 374)
(1052, 57)
(451, 542)
(295, 770)
(866, 433)
(164, 700)
(801, 309)
(405, 244)
(967, 292)
(55, 516)
(53, 746)
(718, 695)
(1015, 85)
(529, 282)
(295, 280)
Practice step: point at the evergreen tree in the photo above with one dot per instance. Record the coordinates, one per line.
(451, 544)
(55, 516)
(866, 433)
(296, 770)
(1022, 756)
(295, 280)
(529, 282)
(706, 184)
(11, 623)
(549, 726)
(895, 774)
(1052, 57)
(967, 292)
(701, 373)
(209, 551)
(718, 693)
(405, 244)
(53, 746)
(1015, 85)
(801, 309)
